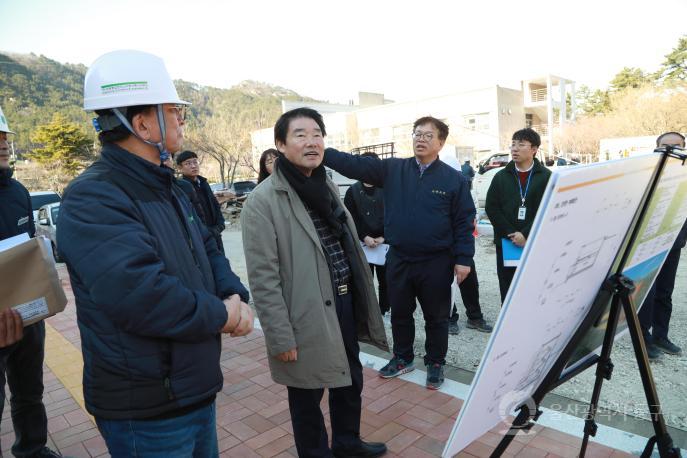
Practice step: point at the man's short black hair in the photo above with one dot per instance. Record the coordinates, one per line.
(369, 154)
(528, 135)
(185, 156)
(120, 132)
(660, 137)
(440, 125)
(281, 128)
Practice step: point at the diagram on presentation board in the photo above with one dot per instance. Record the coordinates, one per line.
(667, 212)
(574, 240)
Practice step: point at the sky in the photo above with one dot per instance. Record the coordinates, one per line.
(331, 50)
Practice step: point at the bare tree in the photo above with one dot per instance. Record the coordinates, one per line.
(226, 139)
(647, 110)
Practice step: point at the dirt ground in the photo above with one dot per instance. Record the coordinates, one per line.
(623, 393)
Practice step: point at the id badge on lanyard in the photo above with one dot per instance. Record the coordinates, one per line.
(522, 211)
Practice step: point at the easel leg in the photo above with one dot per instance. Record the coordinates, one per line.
(520, 423)
(662, 438)
(604, 368)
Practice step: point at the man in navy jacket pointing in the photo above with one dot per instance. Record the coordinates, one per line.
(428, 219)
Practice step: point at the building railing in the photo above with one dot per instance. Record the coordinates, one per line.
(541, 129)
(538, 95)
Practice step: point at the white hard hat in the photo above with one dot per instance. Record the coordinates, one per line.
(3, 123)
(127, 78)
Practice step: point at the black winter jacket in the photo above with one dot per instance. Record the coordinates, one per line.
(503, 200)
(366, 206)
(148, 281)
(16, 214)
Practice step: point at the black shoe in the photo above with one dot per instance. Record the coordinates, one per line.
(396, 367)
(46, 453)
(364, 449)
(653, 352)
(666, 346)
(435, 376)
(453, 328)
(480, 325)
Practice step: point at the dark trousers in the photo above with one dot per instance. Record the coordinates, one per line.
(469, 293)
(345, 403)
(21, 366)
(430, 282)
(658, 305)
(382, 294)
(504, 273)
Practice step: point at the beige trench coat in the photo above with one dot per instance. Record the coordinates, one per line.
(291, 286)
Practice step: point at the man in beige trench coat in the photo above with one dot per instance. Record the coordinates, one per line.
(312, 290)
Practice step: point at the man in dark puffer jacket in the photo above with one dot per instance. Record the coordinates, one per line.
(152, 290)
(21, 356)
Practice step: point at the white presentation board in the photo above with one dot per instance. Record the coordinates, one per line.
(665, 216)
(583, 218)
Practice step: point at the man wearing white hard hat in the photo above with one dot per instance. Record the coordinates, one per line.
(21, 350)
(153, 293)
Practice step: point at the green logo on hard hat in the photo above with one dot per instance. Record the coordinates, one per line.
(128, 86)
(2, 118)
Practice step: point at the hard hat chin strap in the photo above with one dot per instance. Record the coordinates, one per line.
(164, 154)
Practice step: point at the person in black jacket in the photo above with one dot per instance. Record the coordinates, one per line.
(365, 202)
(513, 199)
(267, 159)
(654, 315)
(21, 358)
(152, 291)
(428, 223)
(201, 196)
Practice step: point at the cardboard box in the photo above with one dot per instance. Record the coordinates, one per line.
(29, 282)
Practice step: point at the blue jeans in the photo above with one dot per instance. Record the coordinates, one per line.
(190, 435)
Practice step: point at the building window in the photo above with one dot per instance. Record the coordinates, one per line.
(528, 120)
(479, 121)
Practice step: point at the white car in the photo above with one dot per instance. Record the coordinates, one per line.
(46, 225)
(40, 198)
(480, 185)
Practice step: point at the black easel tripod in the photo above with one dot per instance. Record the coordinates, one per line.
(622, 287)
(617, 289)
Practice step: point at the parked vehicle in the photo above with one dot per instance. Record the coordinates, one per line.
(480, 185)
(46, 225)
(217, 187)
(493, 162)
(242, 188)
(40, 198)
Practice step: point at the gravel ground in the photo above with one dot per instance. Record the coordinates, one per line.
(623, 393)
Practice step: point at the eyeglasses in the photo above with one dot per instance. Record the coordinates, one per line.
(521, 145)
(428, 136)
(181, 111)
(190, 162)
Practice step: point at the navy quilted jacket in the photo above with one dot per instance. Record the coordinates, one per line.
(148, 281)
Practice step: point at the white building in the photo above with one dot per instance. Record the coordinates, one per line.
(481, 121)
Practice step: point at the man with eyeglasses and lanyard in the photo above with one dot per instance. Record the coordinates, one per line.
(152, 291)
(514, 197)
(428, 223)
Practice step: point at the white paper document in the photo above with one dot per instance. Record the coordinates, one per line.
(11, 242)
(376, 255)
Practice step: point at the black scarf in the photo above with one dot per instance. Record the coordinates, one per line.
(314, 193)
